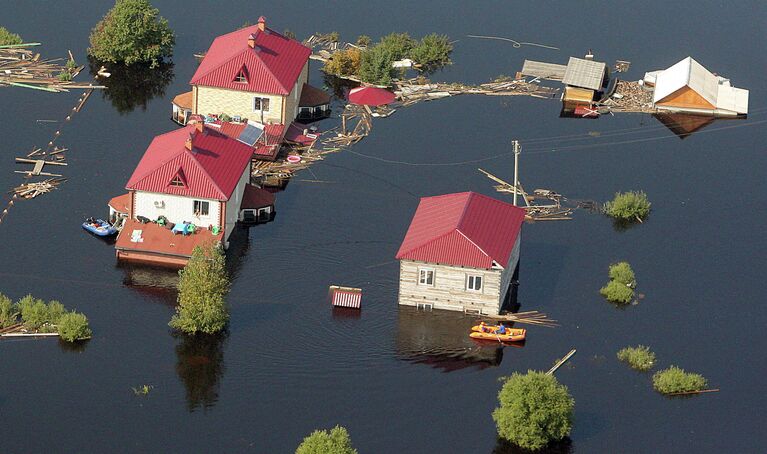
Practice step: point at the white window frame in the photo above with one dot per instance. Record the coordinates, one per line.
(201, 203)
(260, 100)
(471, 282)
(426, 280)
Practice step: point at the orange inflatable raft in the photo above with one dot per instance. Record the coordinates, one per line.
(488, 332)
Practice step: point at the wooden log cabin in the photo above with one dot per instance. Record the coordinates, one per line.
(460, 253)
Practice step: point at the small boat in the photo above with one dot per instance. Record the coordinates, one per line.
(489, 333)
(99, 227)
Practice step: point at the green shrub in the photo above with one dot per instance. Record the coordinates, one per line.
(397, 45)
(73, 326)
(364, 41)
(628, 206)
(375, 66)
(676, 380)
(345, 62)
(132, 32)
(335, 441)
(622, 273)
(201, 290)
(8, 38)
(9, 312)
(225, 118)
(64, 76)
(71, 64)
(433, 51)
(55, 311)
(639, 357)
(617, 292)
(34, 312)
(535, 409)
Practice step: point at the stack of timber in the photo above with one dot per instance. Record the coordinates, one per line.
(529, 317)
(18, 330)
(411, 91)
(552, 211)
(630, 97)
(21, 67)
(32, 190)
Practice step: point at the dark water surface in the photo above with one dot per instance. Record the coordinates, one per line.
(402, 381)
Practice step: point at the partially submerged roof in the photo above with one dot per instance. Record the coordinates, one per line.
(211, 169)
(268, 61)
(585, 73)
(714, 92)
(462, 229)
(254, 198)
(543, 70)
(184, 100)
(121, 203)
(313, 97)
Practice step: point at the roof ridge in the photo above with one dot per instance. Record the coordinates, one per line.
(430, 240)
(171, 157)
(202, 167)
(475, 245)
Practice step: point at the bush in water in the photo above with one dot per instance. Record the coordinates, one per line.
(9, 312)
(628, 206)
(676, 380)
(639, 357)
(335, 441)
(73, 326)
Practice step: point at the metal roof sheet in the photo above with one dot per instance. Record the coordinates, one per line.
(584, 73)
(462, 229)
(543, 70)
(272, 66)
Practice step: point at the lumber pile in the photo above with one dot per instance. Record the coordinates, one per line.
(32, 190)
(411, 91)
(630, 97)
(552, 210)
(528, 317)
(21, 67)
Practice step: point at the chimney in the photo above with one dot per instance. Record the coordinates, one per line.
(262, 23)
(188, 143)
(252, 41)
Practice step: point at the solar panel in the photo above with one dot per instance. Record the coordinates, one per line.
(251, 133)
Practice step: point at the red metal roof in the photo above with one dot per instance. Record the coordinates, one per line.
(371, 96)
(210, 170)
(462, 229)
(255, 198)
(346, 297)
(121, 203)
(272, 66)
(313, 97)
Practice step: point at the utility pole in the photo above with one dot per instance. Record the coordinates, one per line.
(516, 169)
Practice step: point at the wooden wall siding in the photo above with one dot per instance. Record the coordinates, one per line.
(211, 100)
(449, 289)
(176, 209)
(508, 272)
(685, 97)
(232, 211)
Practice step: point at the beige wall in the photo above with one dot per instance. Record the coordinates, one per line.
(175, 208)
(449, 290)
(291, 102)
(211, 100)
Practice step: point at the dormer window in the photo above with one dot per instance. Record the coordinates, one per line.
(241, 77)
(176, 181)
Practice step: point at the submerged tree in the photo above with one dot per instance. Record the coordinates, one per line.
(131, 87)
(132, 32)
(628, 206)
(73, 326)
(8, 38)
(535, 409)
(432, 52)
(620, 289)
(9, 312)
(200, 366)
(676, 380)
(334, 441)
(639, 357)
(201, 290)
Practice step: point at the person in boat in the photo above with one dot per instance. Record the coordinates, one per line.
(482, 327)
(501, 329)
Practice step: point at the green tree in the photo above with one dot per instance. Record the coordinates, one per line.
(345, 62)
(335, 441)
(639, 357)
(7, 37)
(375, 66)
(132, 32)
(617, 292)
(201, 291)
(622, 273)
(628, 206)
(432, 52)
(398, 45)
(535, 409)
(9, 312)
(364, 41)
(73, 326)
(676, 380)
(34, 312)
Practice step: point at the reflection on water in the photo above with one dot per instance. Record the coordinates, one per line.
(129, 87)
(684, 125)
(564, 446)
(154, 282)
(73, 347)
(441, 340)
(200, 366)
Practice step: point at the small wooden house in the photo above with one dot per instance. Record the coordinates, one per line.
(460, 253)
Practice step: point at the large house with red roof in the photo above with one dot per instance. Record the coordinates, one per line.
(460, 253)
(254, 73)
(195, 175)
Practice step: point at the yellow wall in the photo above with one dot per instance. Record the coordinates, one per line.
(685, 97)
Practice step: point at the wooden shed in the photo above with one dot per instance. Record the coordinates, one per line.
(460, 253)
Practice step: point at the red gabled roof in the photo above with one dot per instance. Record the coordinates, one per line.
(255, 197)
(272, 66)
(210, 170)
(463, 229)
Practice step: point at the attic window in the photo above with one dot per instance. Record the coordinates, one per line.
(177, 181)
(242, 77)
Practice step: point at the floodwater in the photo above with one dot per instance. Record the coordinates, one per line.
(399, 380)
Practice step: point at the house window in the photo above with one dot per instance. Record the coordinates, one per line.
(261, 104)
(177, 181)
(426, 276)
(474, 283)
(241, 78)
(201, 208)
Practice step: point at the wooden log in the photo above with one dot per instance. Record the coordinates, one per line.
(560, 362)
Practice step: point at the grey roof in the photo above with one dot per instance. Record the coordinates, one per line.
(543, 70)
(584, 73)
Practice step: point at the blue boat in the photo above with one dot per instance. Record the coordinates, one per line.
(99, 227)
